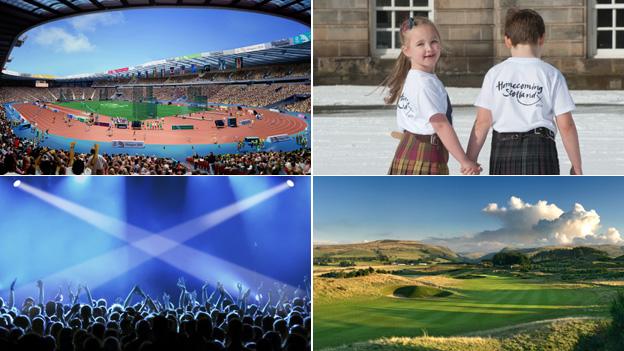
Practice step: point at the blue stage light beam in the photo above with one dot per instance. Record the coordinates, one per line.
(107, 224)
(152, 245)
(190, 229)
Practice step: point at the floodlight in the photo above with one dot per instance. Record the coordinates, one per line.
(290, 183)
(17, 183)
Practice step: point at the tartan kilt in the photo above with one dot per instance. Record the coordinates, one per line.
(414, 156)
(527, 155)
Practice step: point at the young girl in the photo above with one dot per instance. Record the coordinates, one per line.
(423, 109)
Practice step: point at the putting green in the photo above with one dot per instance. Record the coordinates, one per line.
(477, 304)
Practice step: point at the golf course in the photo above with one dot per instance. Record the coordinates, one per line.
(368, 303)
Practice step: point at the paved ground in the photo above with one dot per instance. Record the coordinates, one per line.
(358, 141)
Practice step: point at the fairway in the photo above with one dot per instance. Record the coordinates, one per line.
(476, 304)
(124, 109)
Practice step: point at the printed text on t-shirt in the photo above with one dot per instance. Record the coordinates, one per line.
(525, 93)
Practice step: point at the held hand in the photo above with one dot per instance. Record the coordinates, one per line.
(13, 284)
(40, 284)
(239, 285)
(470, 167)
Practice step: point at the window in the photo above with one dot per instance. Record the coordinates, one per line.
(387, 18)
(609, 28)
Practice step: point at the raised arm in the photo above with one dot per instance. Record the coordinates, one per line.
(212, 295)
(182, 285)
(569, 136)
(166, 301)
(191, 298)
(447, 134)
(40, 287)
(150, 304)
(225, 295)
(75, 300)
(135, 290)
(239, 286)
(307, 283)
(12, 294)
(479, 133)
(59, 295)
(89, 296)
(244, 299)
(268, 303)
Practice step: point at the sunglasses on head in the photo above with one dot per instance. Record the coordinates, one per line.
(408, 24)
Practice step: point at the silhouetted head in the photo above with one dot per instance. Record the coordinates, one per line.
(85, 312)
(91, 343)
(295, 342)
(30, 341)
(274, 338)
(235, 330)
(38, 325)
(97, 329)
(22, 321)
(111, 344)
(142, 329)
(281, 327)
(50, 308)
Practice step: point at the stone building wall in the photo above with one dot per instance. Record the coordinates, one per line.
(472, 35)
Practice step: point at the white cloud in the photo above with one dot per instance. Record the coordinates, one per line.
(89, 23)
(61, 40)
(532, 225)
(571, 226)
(520, 214)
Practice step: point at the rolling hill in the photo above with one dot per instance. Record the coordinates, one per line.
(387, 250)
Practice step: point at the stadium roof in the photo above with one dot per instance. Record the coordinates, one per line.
(294, 49)
(18, 16)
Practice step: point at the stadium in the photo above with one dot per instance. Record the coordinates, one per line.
(236, 110)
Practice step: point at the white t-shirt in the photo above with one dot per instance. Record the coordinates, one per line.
(524, 93)
(423, 96)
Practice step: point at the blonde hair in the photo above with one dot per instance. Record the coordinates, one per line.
(395, 81)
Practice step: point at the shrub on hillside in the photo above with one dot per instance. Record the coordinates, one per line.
(509, 258)
(617, 314)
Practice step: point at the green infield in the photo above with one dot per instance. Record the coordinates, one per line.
(365, 308)
(125, 109)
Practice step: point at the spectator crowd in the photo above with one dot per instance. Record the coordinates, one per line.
(271, 319)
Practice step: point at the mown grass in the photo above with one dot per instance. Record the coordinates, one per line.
(124, 108)
(360, 309)
(566, 335)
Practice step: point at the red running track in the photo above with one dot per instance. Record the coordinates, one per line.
(204, 132)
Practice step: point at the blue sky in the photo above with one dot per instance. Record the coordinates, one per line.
(116, 39)
(356, 209)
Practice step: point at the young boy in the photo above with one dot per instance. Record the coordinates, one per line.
(521, 99)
